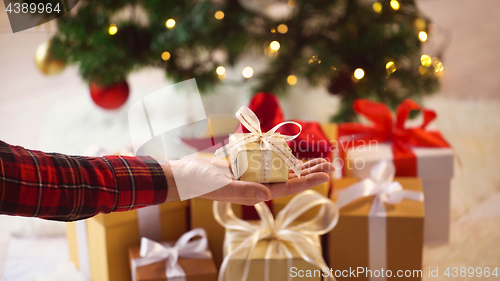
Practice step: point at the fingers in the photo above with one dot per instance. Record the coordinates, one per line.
(241, 192)
(296, 185)
(314, 166)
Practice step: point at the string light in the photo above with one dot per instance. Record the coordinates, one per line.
(395, 5)
(422, 36)
(377, 7)
(291, 3)
(219, 15)
(112, 29)
(165, 56)
(222, 76)
(247, 72)
(438, 67)
(314, 59)
(292, 80)
(220, 70)
(426, 60)
(275, 45)
(170, 23)
(282, 28)
(391, 67)
(273, 30)
(359, 73)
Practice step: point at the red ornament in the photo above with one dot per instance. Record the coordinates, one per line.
(110, 97)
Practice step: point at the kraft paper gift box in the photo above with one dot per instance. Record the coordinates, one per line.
(202, 216)
(99, 246)
(184, 259)
(356, 241)
(275, 249)
(435, 168)
(416, 151)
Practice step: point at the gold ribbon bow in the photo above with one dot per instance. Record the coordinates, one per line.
(269, 140)
(303, 237)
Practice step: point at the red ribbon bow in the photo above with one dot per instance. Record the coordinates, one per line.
(384, 129)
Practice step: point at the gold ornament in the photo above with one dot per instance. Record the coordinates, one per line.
(45, 62)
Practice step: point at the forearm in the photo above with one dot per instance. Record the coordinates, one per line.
(62, 187)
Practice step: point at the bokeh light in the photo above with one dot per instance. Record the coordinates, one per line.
(165, 56)
(422, 36)
(377, 7)
(220, 70)
(219, 15)
(282, 28)
(275, 45)
(292, 80)
(113, 29)
(438, 67)
(395, 5)
(391, 67)
(170, 23)
(247, 72)
(359, 73)
(426, 60)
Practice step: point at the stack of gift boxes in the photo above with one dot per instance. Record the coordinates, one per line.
(373, 220)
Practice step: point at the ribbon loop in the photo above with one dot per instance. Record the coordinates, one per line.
(268, 141)
(283, 235)
(152, 252)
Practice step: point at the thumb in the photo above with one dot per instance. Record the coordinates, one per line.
(248, 192)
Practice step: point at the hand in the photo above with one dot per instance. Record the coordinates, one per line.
(200, 172)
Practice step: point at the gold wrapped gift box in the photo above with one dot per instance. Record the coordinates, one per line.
(110, 236)
(348, 241)
(279, 266)
(202, 216)
(247, 161)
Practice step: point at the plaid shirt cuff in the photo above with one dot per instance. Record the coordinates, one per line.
(140, 182)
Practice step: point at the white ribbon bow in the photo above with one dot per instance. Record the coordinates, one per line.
(302, 237)
(380, 184)
(152, 252)
(268, 140)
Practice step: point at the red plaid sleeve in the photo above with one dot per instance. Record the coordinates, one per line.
(66, 188)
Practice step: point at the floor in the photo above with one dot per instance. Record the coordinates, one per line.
(40, 112)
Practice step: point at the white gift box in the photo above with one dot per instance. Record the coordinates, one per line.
(434, 167)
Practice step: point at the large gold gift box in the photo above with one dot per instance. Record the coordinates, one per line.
(202, 216)
(279, 268)
(246, 161)
(195, 269)
(110, 236)
(348, 241)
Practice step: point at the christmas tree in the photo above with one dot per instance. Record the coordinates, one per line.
(354, 48)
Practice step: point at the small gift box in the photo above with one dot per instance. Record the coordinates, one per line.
(275, 249)
(257, 156)
(416, 152)
(381, 224)
(185, 259)
(98, 246)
